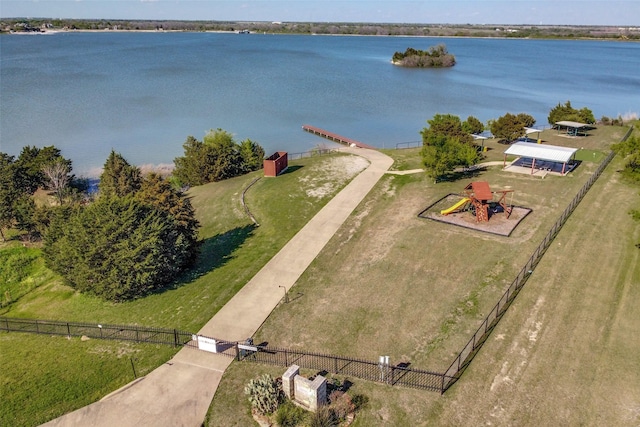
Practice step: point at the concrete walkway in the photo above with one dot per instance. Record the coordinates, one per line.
(179, 392)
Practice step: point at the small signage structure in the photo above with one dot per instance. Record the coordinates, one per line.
(207, 344)
(276, 163)
(306, 393)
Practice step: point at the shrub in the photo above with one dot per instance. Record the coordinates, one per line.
(290, 415)
(324, 417)
(360, 401)
(341, 404)
(265, 394)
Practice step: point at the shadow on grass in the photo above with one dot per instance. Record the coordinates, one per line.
(467, 173)
(291, 169)
(215, 252)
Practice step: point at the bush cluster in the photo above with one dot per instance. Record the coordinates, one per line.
(435, 57)
(215, 158)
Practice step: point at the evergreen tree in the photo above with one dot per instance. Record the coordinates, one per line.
(32, 161)
(511, 126)
(445, 125)
(9, 191)
(472, 125)
(218, 157)
(159, 193)
(252, 155)
(194, 168)
(119, 178)
(117, 248)
(567, 113)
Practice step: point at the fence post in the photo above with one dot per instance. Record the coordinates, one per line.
(237, 352)
(68, 330)
(175, 338)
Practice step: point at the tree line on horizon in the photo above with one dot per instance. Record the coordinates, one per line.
(329, 28)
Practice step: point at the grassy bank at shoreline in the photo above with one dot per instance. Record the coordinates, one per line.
(387, 283)
(233, 251)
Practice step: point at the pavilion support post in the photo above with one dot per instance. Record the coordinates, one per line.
(533, 165)
(564, 165)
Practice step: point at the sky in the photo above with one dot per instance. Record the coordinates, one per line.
(515, 12)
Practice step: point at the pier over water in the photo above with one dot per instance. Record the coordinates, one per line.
(335, 137)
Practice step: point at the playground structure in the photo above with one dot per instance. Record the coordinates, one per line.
(480, 199)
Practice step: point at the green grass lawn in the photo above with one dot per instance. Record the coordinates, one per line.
(234, 249)
(387, 283)
(43, 377)
(390, 283)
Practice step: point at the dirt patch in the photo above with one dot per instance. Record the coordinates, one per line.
(331, 174)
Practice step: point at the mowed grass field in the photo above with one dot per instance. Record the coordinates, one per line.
(42, 377)
(390, 283)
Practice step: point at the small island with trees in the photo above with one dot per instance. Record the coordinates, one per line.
(435, 57)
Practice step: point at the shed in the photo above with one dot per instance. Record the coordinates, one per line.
(542, 153)
(276, 163)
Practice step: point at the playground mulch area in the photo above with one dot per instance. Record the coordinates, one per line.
(497, 224)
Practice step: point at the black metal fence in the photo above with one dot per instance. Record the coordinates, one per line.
(408, 144)
(140, 334)
(311, 153)
(463, 359)
(358, 368)
(363, 369)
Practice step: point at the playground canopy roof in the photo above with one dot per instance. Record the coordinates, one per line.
(481, 190)
(551, 153)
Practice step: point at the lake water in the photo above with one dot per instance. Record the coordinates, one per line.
(142, 94)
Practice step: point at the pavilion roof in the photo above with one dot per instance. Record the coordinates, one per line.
(552, 153)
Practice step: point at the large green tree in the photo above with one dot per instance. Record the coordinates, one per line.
(472, 125)
(118, 177)
(566, 112)
(158, 192)
(32, 160)
(138, 235)
(215, 158)
(9, 191)
(118, 248)
(21, 177)
(511, 126)
(446, 145)
(445, 125)
(252, 155)
(445, 154)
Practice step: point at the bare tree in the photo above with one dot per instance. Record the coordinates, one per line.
(58, 175)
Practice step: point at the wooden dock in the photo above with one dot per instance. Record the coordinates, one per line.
(335, 137)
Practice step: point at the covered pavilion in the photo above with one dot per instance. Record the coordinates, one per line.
(551, 158)
(573, 128)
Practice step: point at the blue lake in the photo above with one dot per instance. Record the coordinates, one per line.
(142, 94)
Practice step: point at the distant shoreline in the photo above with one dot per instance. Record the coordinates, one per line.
(498, 31)
(492, 37)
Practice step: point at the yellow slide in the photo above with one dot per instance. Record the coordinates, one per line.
(455, 207)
